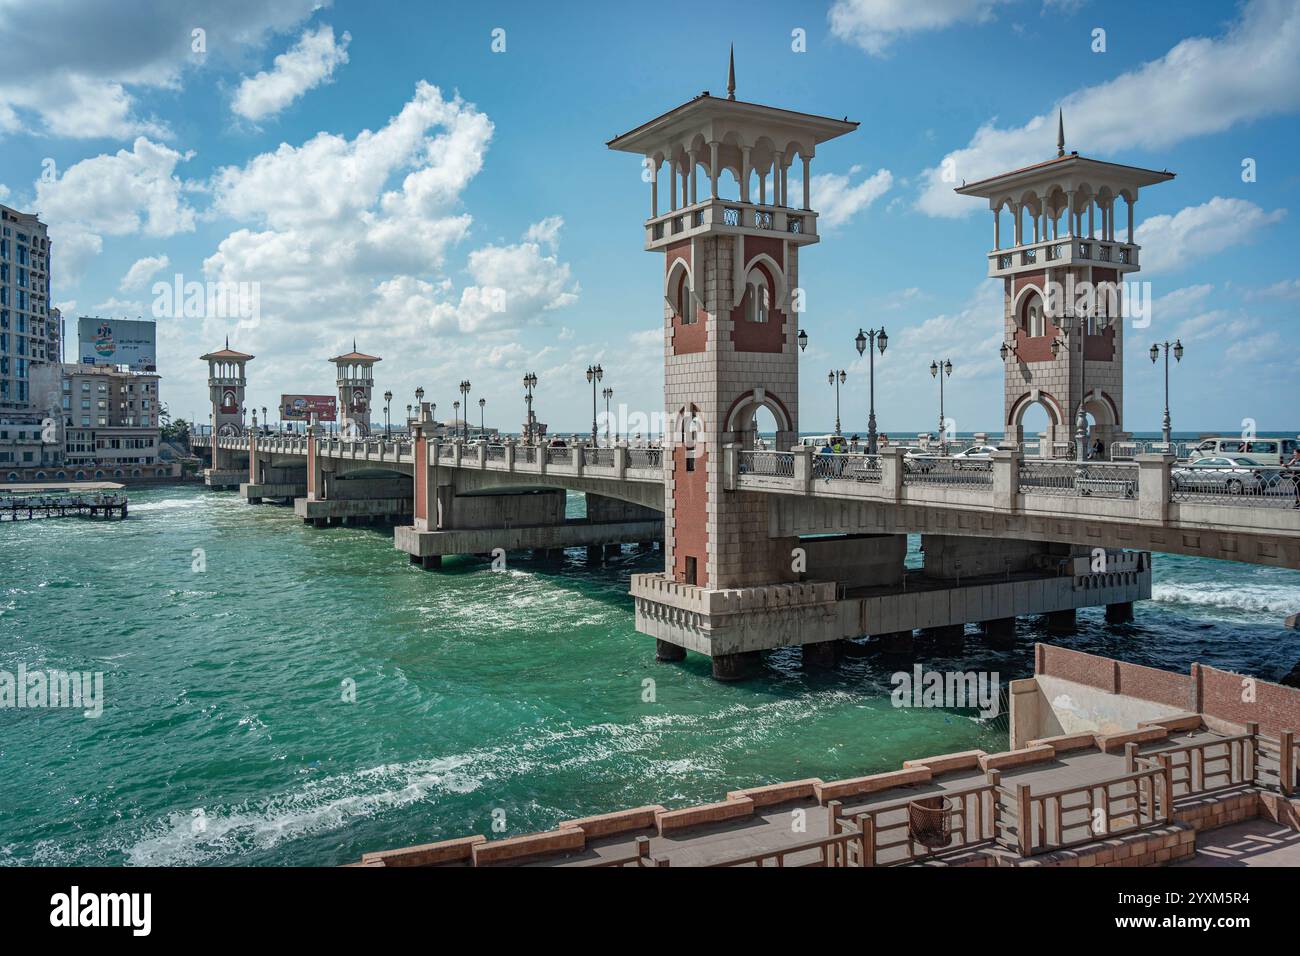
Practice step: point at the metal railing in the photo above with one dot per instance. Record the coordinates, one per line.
(496, 452)
(771, 464)
(947, 471)
(526, 454)
(559, 456)
(598, 457)
(1071, 479)
(846, 468)
(645, 457)
(1264, 486)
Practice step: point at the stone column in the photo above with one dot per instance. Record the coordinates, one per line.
(1153, 487)
(891, 472)
(744, 173)
(807, 189)
(713, 170)
(1006, 479)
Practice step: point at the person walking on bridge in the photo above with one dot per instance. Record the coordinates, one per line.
(1292, 470)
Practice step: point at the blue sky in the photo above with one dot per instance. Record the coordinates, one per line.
(380, 172)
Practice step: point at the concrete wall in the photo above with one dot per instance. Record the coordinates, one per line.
(1046, 706)
(505, 510)
(604, 508)
(857, 561)
(953, 556)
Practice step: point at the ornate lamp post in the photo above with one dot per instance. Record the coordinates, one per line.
(935, 368)
(837, 379)
(803, 340)
(482, 431)
(455, 414)
(464, 391)
(388, 401)
(530, 382)
(266, 420)
(1178, 357)
(594, 374)
(608, 393)
(419, 397)
(864, 343)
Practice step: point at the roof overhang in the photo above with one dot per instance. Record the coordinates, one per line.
(704, 108)
(1072, 166)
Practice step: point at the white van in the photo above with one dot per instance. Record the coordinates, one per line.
(1266, 451)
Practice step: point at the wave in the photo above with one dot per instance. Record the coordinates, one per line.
(1255, 598)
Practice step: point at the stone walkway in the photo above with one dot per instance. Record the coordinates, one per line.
(1250, 843)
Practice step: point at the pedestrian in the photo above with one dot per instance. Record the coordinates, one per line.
(1292, 467)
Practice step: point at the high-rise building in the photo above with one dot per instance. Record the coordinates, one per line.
(29, 329)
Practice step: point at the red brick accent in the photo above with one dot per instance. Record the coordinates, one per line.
(1062, 743)
(1100, 348)
(690, 515)
(945, 763)
(1018, 758)
(421, 467)
(692, 337)
(766, 336)
(311, 464)
(1112, 743)
(1275, 708)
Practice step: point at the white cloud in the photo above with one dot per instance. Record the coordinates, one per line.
(875, 24)
(837, 199)
(308, 64)
(1199, 231)
(1286, 289)
(81, 80)
(1202, 85)
(142, 271)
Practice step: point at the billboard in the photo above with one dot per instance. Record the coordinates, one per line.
(298, 408)
(130, 342)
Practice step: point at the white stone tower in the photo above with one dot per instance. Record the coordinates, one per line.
(730, 279)
(356, 383)
(1063, 271)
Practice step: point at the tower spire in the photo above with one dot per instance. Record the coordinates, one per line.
(227, 340)
(731, 73)
(1060, 133)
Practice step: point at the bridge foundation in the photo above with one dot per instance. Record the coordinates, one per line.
(824, 655)
(1121, 613)
(730, 667)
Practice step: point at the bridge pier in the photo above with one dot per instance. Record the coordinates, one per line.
(948, 638)
(1062, 621)
(896, 643)
(668, 653)
(1000, 632)
(1121, 613)
(824, 655)
(733, 667)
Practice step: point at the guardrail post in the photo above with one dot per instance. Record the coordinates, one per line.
(510, 457)
(458, 452)
(730, 464)
(1252, 755)
(1024, 819)
(1167, 779)
(1153, 487)
(891, 472)
(1286, 762)
(481, 453)
(833, 810)
(620, 462)
(803, 468)
(1006, 479)
(578, 458)
(868, 827)
(1130, 757)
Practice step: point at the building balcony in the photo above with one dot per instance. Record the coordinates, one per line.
(1064, 251)
(725, 216)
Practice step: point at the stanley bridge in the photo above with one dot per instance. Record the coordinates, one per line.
(763, 548)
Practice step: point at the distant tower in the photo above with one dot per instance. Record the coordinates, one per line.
(731, 271)
(226, 384)
(356, 381)
(1064, 351)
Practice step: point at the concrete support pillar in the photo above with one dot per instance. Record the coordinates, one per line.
(1120, 613)
(430, 562)
(728, 667)
(593, 553)
(1153, 487)
(1000, 632)
(807, 178)
(613, 550)
(891, 472)
(948, 637)
(897, 643)
(824, 654)
(714, 172)
(1006, 479)
(667, 653)
(1061, 622)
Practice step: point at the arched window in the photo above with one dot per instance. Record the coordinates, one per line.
(1031, 316)
(758, 297)
(682, 303)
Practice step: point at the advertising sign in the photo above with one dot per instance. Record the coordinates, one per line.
(299, 408)
(118, 342)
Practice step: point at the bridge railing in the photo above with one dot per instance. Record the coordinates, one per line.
(598, 457)
(846, 468)
(645, 458)
(1070, 479)
(559, 456)
(923, 470)
(772, 464)
(1275, 487)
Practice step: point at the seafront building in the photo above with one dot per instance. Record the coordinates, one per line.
(30, 332)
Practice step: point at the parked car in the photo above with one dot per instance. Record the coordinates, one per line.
(975, 458)
(1233, 475)
(1265, 451)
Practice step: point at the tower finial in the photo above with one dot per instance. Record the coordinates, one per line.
(227, 340)
(1060, 133)
(354, 343)
(731, 73)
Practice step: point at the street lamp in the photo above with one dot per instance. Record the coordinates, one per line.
(608, 393)
(864, 341)
(266, 421)
(594, 374)
(482, 431)
(388, 428)
(946, 367)
(419, 399)
(530, 382)
(455, 413)
(837, 379)
(803, 340)
(464, 391)
(1178, 357)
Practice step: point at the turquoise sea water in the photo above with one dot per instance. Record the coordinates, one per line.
(226, 738)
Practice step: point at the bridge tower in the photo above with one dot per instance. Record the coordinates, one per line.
(730, 288)
(356, 383)
(1063, 264)
(226, 385)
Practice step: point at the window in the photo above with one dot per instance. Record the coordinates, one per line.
(692, 570)
(683, 305)
(1032, 319)
(757, 299)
